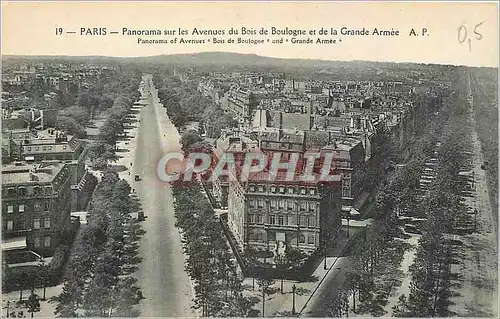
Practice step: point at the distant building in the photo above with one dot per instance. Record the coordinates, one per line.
(36, 202)
(240, 103)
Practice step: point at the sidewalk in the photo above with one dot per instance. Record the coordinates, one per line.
(404, 288)
(46, 309)
(279, 304)
(127, 157)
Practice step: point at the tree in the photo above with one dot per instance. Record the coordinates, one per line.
(71, 126)
(78, 113)
(100, 153)
(33, 303)
(88, 100)
(265, 282)
(43, 277)
(189, 138)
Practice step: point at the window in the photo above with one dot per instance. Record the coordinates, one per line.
(251, 203)
(251, 235)
(38, 207)
(312, 221)
(281, 203)
(261, 188)
(28, 149)
(272, 219)
(290, 190)
(302, 239)
(310, 239)
(21, 208)
(46, 206)
(47, 241)
(312, 207)
(10, 225)
(260, 203)
(290, 205)
(273, 189)
(302, 221)
(36, 223)
(259, 218)
(46, 222)
(22, 191)
(303, 206)
(312, 191)
(272, 203)
(303, 191)
(346, 181)
(48, 190)
(10, 209)
(346, 192)
(37, 242)
(282, 190)
(271, 236)
(11, 191)
(252, 188)
(281, 220)
(260, 236)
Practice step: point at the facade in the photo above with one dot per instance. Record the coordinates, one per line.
(238, 146)
(240, 103)
(35, 205)
(51, 144)
(265, 215)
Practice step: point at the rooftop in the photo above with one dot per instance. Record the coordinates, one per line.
(20, 172)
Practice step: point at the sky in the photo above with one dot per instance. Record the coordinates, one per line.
(30, 28)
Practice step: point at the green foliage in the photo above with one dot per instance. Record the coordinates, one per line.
(98, 271)
(218, 286)
(100, 153)
(71, 126)
(79, 114)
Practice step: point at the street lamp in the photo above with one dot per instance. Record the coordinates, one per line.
(324, 264)
(348, 219)
(293, 299)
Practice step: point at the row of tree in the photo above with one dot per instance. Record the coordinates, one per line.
(431, 272)
(103, 150)
(378, 251)
(184, 103)
(218, 284)
(98, 281)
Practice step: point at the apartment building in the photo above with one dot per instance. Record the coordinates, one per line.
(238, 146)
(240, 103)
(272, 215)
(51, 144)
(35, 205)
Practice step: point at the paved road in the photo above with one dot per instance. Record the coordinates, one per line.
(161, 274)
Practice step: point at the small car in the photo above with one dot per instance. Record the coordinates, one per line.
(140, 216)
(137, 178)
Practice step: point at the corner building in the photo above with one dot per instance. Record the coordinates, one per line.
(35, 206)
(271, 215)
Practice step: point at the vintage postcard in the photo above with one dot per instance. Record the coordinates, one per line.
(249, 159)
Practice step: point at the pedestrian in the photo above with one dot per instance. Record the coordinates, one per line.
(139, 295)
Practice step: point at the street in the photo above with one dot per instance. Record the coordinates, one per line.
(161, 274)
